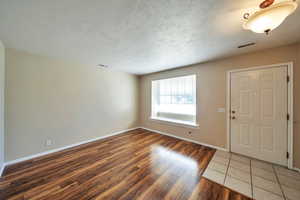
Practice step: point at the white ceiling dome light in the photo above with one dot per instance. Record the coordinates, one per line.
(269, 16)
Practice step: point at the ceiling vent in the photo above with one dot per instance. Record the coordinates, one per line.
(246, 45)
(103, 66)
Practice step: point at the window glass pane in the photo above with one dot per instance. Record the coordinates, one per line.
(175, 98)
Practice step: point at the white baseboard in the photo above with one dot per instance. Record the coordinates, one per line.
(186, 139)
(63, 148)
(296, 169)
(193, 141)
(2, 169)
(106, 136)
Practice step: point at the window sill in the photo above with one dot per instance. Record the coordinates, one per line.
(175, 122)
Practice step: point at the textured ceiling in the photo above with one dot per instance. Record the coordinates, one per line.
(136, 36)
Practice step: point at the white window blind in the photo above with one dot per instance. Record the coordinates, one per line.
(175, 99)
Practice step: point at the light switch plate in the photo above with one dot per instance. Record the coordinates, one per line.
(221, 110)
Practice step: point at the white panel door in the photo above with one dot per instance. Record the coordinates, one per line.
(259, 114)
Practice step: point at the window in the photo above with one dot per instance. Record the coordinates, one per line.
(174, 99)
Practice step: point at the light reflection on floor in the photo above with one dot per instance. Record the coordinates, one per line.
(173, 164)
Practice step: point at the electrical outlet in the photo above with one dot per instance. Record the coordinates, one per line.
(48, 142)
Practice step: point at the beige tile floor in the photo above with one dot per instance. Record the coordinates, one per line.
(253, 178)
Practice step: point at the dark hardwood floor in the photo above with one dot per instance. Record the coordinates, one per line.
(134, 165)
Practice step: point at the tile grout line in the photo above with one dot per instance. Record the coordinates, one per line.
(227, 169)
(251, 179)
(283, 194)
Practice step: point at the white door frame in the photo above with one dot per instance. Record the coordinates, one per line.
(290, 105)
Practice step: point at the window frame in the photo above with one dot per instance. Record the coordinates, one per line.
(170, 121)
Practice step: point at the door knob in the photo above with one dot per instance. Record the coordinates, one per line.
(233, 111)
(233, 117)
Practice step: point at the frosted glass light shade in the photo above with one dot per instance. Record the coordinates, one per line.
(270, 18)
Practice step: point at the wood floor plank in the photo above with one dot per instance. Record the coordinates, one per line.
(138, 164)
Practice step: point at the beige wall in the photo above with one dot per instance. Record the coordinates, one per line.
(211, 90)
(70, 103)
(2, 83)
(65, 102)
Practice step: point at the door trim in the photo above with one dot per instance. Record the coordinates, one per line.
(290, 105)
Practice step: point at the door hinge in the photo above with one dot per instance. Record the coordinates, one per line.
(288, 79)
(288, 117)
(287, 155)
